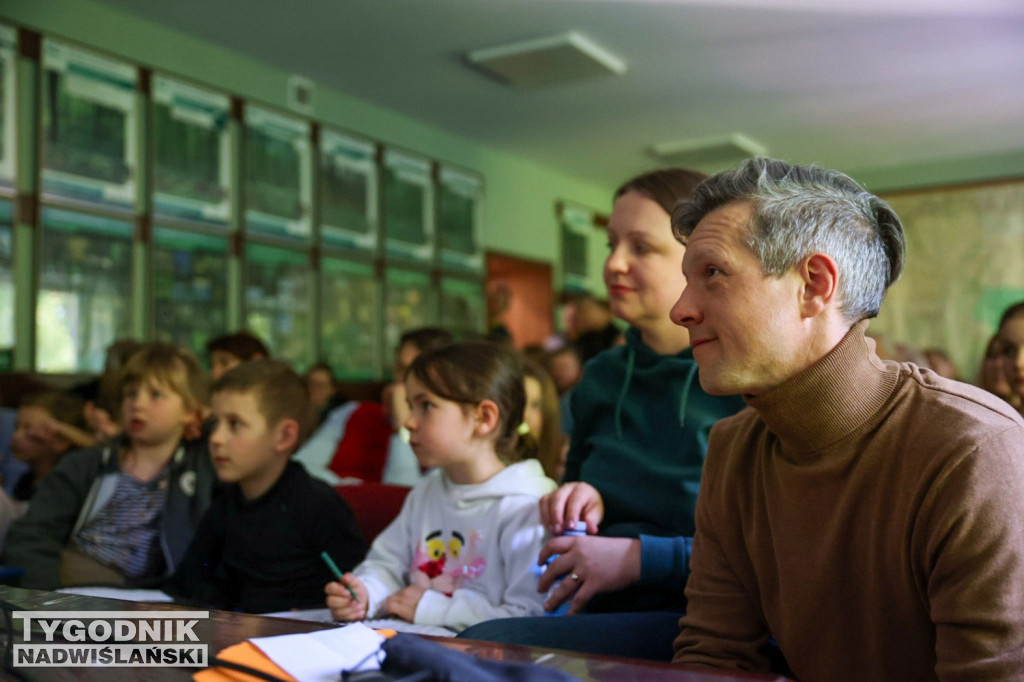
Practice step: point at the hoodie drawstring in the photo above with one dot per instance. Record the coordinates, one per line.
(683, 399)
(685, 396)
(630, 361)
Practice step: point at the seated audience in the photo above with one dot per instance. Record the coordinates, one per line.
(595, 330)
(364, 441)
(102, 394)
(49, 425)
(992, 375)
(565, 367)
(636, 454)
(124, 511)
(11, 470)
(402, 467)
(543, 434)
(1011, 339)
(864, 514)
(323, 387)
(228, 351)
(940, 363)
(258, 547)
(462, 548)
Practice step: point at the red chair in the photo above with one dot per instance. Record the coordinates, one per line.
(375, 505)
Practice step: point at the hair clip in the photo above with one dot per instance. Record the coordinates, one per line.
(523, 429)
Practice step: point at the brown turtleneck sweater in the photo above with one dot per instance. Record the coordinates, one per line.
(870, 516)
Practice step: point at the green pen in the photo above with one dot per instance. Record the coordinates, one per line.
(337, 574)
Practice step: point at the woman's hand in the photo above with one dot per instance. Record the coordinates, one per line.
(572, 502)
(588, 566)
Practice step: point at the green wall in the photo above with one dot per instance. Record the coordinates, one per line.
(520, 196)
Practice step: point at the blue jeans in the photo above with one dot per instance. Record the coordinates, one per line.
(648, 635)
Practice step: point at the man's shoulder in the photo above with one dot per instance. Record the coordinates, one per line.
(945, 405)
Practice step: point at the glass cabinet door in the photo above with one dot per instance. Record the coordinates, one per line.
(349, 310)
(84, 302)
(192, 152)
(89, 126)
(189, 287)
(278, 302)
(410, 303)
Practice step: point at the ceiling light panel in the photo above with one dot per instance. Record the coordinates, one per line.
(552, 60)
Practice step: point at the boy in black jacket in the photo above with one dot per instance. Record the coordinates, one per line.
(258, 547)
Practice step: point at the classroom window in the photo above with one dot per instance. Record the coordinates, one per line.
(6, 279)
(350, 303)
(407, 207)
(8, 41)
(89, 126)
(576, 226)
(458, 219)
(463, 307)
(189, 287)
(191, 152)
(278, 175)
(83, 303)
(409, 303)
(348, 192)
(278, 302)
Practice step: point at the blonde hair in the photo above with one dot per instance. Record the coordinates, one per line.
(170, 365)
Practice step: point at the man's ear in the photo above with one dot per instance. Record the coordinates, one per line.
(821, 284)
(486, 417)
(286, 435)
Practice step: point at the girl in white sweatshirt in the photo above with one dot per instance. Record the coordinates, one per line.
(461, 550)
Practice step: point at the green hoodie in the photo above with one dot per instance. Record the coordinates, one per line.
(640, 434)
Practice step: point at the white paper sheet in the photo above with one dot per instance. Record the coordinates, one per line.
(321, 656)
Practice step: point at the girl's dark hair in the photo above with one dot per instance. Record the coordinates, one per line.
(1014, 311)
(470, 372)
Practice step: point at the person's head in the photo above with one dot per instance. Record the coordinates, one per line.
(565, 367)
(1011, 337)
(541, 416)
(261, 414)
(992, 376)
(642, 270)
(416, 341)
(228, 351)
(163, 391)
(591, 314)
(465, 398)
(781, 261)
(940, 363)
(118, 354)
(322, 385)
(35, 441)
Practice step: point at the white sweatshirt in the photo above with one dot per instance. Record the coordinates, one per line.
(471, 546)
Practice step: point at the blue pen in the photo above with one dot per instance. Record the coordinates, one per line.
(337, 574)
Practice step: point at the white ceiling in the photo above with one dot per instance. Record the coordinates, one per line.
(851, 84)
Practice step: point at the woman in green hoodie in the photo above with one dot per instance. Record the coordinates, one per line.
(640, 427)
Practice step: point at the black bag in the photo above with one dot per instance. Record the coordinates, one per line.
(413, 659)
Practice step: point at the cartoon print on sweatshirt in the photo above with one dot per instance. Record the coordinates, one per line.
(444, 565)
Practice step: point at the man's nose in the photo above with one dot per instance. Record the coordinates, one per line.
(684, 312)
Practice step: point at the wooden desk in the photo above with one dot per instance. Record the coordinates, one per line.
(225, 628)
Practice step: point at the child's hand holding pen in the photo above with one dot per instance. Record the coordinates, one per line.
(347, 597)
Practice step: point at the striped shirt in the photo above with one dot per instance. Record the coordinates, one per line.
(125, 534)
